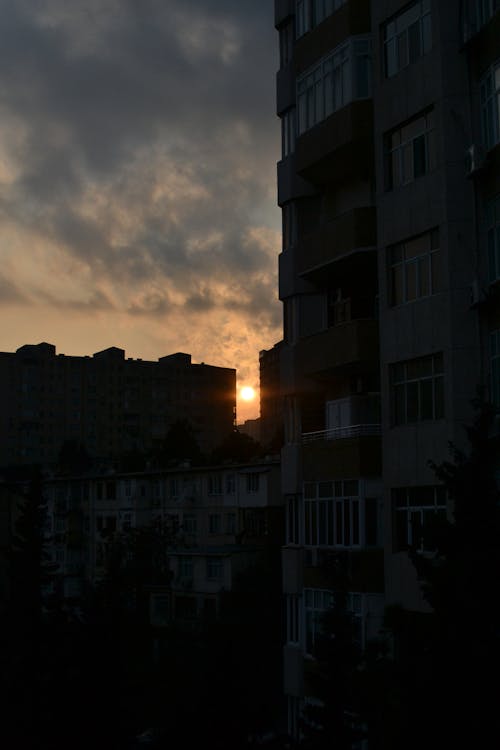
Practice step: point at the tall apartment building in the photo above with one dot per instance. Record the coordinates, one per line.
(110, 404)
(389, 185)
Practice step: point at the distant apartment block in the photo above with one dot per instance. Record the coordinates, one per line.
(110, 404)
(216, 520)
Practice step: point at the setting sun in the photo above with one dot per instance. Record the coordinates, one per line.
(247, 393)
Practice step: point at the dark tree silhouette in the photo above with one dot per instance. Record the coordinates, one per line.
(180, 444)
(237, 447)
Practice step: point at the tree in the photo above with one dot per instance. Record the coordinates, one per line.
(179, 445)
(237, 447)
(435, 690)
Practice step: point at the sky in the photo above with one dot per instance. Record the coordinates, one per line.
(138, 150)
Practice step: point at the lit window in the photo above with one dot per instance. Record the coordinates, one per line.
(414, 268)
(417, 388)
(490, 106)
(493, 229)
(338, 79)
(411, 150)
(415, 510)
(407, 37)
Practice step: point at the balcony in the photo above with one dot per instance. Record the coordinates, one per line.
(349, 457)
(290, 184)
(345, 347)
(340, 147)
(353, 230)
(339, 433)
(350, 19)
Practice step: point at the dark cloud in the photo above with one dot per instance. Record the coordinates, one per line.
(10, 293)
(142, 143)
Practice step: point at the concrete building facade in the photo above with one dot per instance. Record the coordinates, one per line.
(389, 185)
(109, 404)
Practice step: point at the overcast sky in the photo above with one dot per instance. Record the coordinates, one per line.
(138, 149)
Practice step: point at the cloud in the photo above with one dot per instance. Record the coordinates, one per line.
(138, 145)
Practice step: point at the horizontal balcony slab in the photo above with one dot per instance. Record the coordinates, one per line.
(340, 147)
(341, 347)
(336, 459)
(355, 230)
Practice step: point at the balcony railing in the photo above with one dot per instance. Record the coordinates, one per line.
(337, 433)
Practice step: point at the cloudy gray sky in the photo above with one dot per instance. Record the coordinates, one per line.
(138, 149)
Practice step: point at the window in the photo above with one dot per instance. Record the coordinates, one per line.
(185, 567)
(336, 516)
(317, 602)
(173, 487)
(230, 484)
(289, 225)
(411, 151)
(414, 268)
(230, 523)
(493, 229)
(415, 509)
(288, 132)
(418, 389)
(286, 43)
(253, 483)
(477, 14)
(292, 618)
(310, 13)
(255, 521)
(215, 484)
(407, 37)
(337, 80)
(490, 106)
(215, 568)
(495, 367)
(214, 523)
(293, 519)
(189, 523)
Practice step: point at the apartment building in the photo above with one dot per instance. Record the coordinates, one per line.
(108, 403)
(389, 186)
(213, 522)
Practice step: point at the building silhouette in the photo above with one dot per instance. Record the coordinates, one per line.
(107, 403)
(389, 185)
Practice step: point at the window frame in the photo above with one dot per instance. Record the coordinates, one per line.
(489, 91)
(397, 162)
(401, 267)
(404, 385)
(393, 37)
(405, 502)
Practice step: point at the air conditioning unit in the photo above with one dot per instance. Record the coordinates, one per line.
(476, 159)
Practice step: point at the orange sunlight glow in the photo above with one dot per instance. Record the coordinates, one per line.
(247, 393)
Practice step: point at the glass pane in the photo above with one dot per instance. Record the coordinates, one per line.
(338, 522)
(419, 156)
(322, 522)
(426, 393)
(355, 522)
(330, 538)
(407, 163)
(412, 402)
(400, 404)
(426, 33)
(325, 489)
(411, 281)
(351, 487)
(438, 398)
(414, 45)
(402, 42)
(347, 523)
(397, 297)
(423, 286)
(395, 177)
(436, 272)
